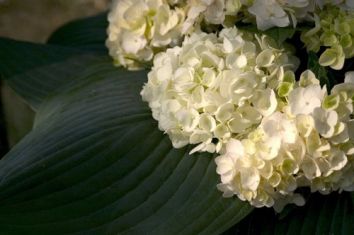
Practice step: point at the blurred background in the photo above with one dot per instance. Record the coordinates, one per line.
(33, 20)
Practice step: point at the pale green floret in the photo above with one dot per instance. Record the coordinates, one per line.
(334, 30)
(328, 57)
(333, 57)
(331, 102)
(308, 78)
(289, 76)
(285, 88)
(287, 85)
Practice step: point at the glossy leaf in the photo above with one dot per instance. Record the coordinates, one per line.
(96, 163)
(88, 34)
(280, 34)
(331, 214)
(35, 71)
(319, 71)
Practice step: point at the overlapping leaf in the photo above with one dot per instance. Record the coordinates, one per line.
(333, 214)
(87, 34)
(96, 163)
(34, 71)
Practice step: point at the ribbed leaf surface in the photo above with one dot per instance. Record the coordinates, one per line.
(96, 163)
(322, 215)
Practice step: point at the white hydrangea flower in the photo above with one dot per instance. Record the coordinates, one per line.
(269, 13)
(325, 121)
(210, 11)
(140, 28)
(279, 127)
(326, 135)
(293, 148)
(265, 164)
(213, 88)
(279, 13)
(304, 100)
(349, 77)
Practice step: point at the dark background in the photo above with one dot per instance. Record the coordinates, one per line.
(34, 21)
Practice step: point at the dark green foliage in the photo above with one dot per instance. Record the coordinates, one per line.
(320, 71)
(322, 215)
(95, 161)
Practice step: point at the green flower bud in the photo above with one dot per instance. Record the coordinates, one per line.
(331, 102)
(346, 41)
(328, 57)
(341, 27)
(334, 29)
(285, 88)
(329, 39)
(289, 76)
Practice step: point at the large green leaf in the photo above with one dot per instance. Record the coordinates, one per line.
(88, 34)
(333, 214)
(280, 34)
(96, 163)
(18, 117)
(35, 71)
(319, 71)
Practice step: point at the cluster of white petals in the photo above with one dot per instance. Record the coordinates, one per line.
(210, 12)
(215, 88)
(234, 92)
(280, 13)
(267, 13)
(140, 28)
(307, 142)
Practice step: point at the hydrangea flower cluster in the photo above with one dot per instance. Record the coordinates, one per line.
(333, 30)
(307, 142)
(280, 13)
(214, 88)
(234, 92)
(138, 29)
(210, 12)
(267, 13)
